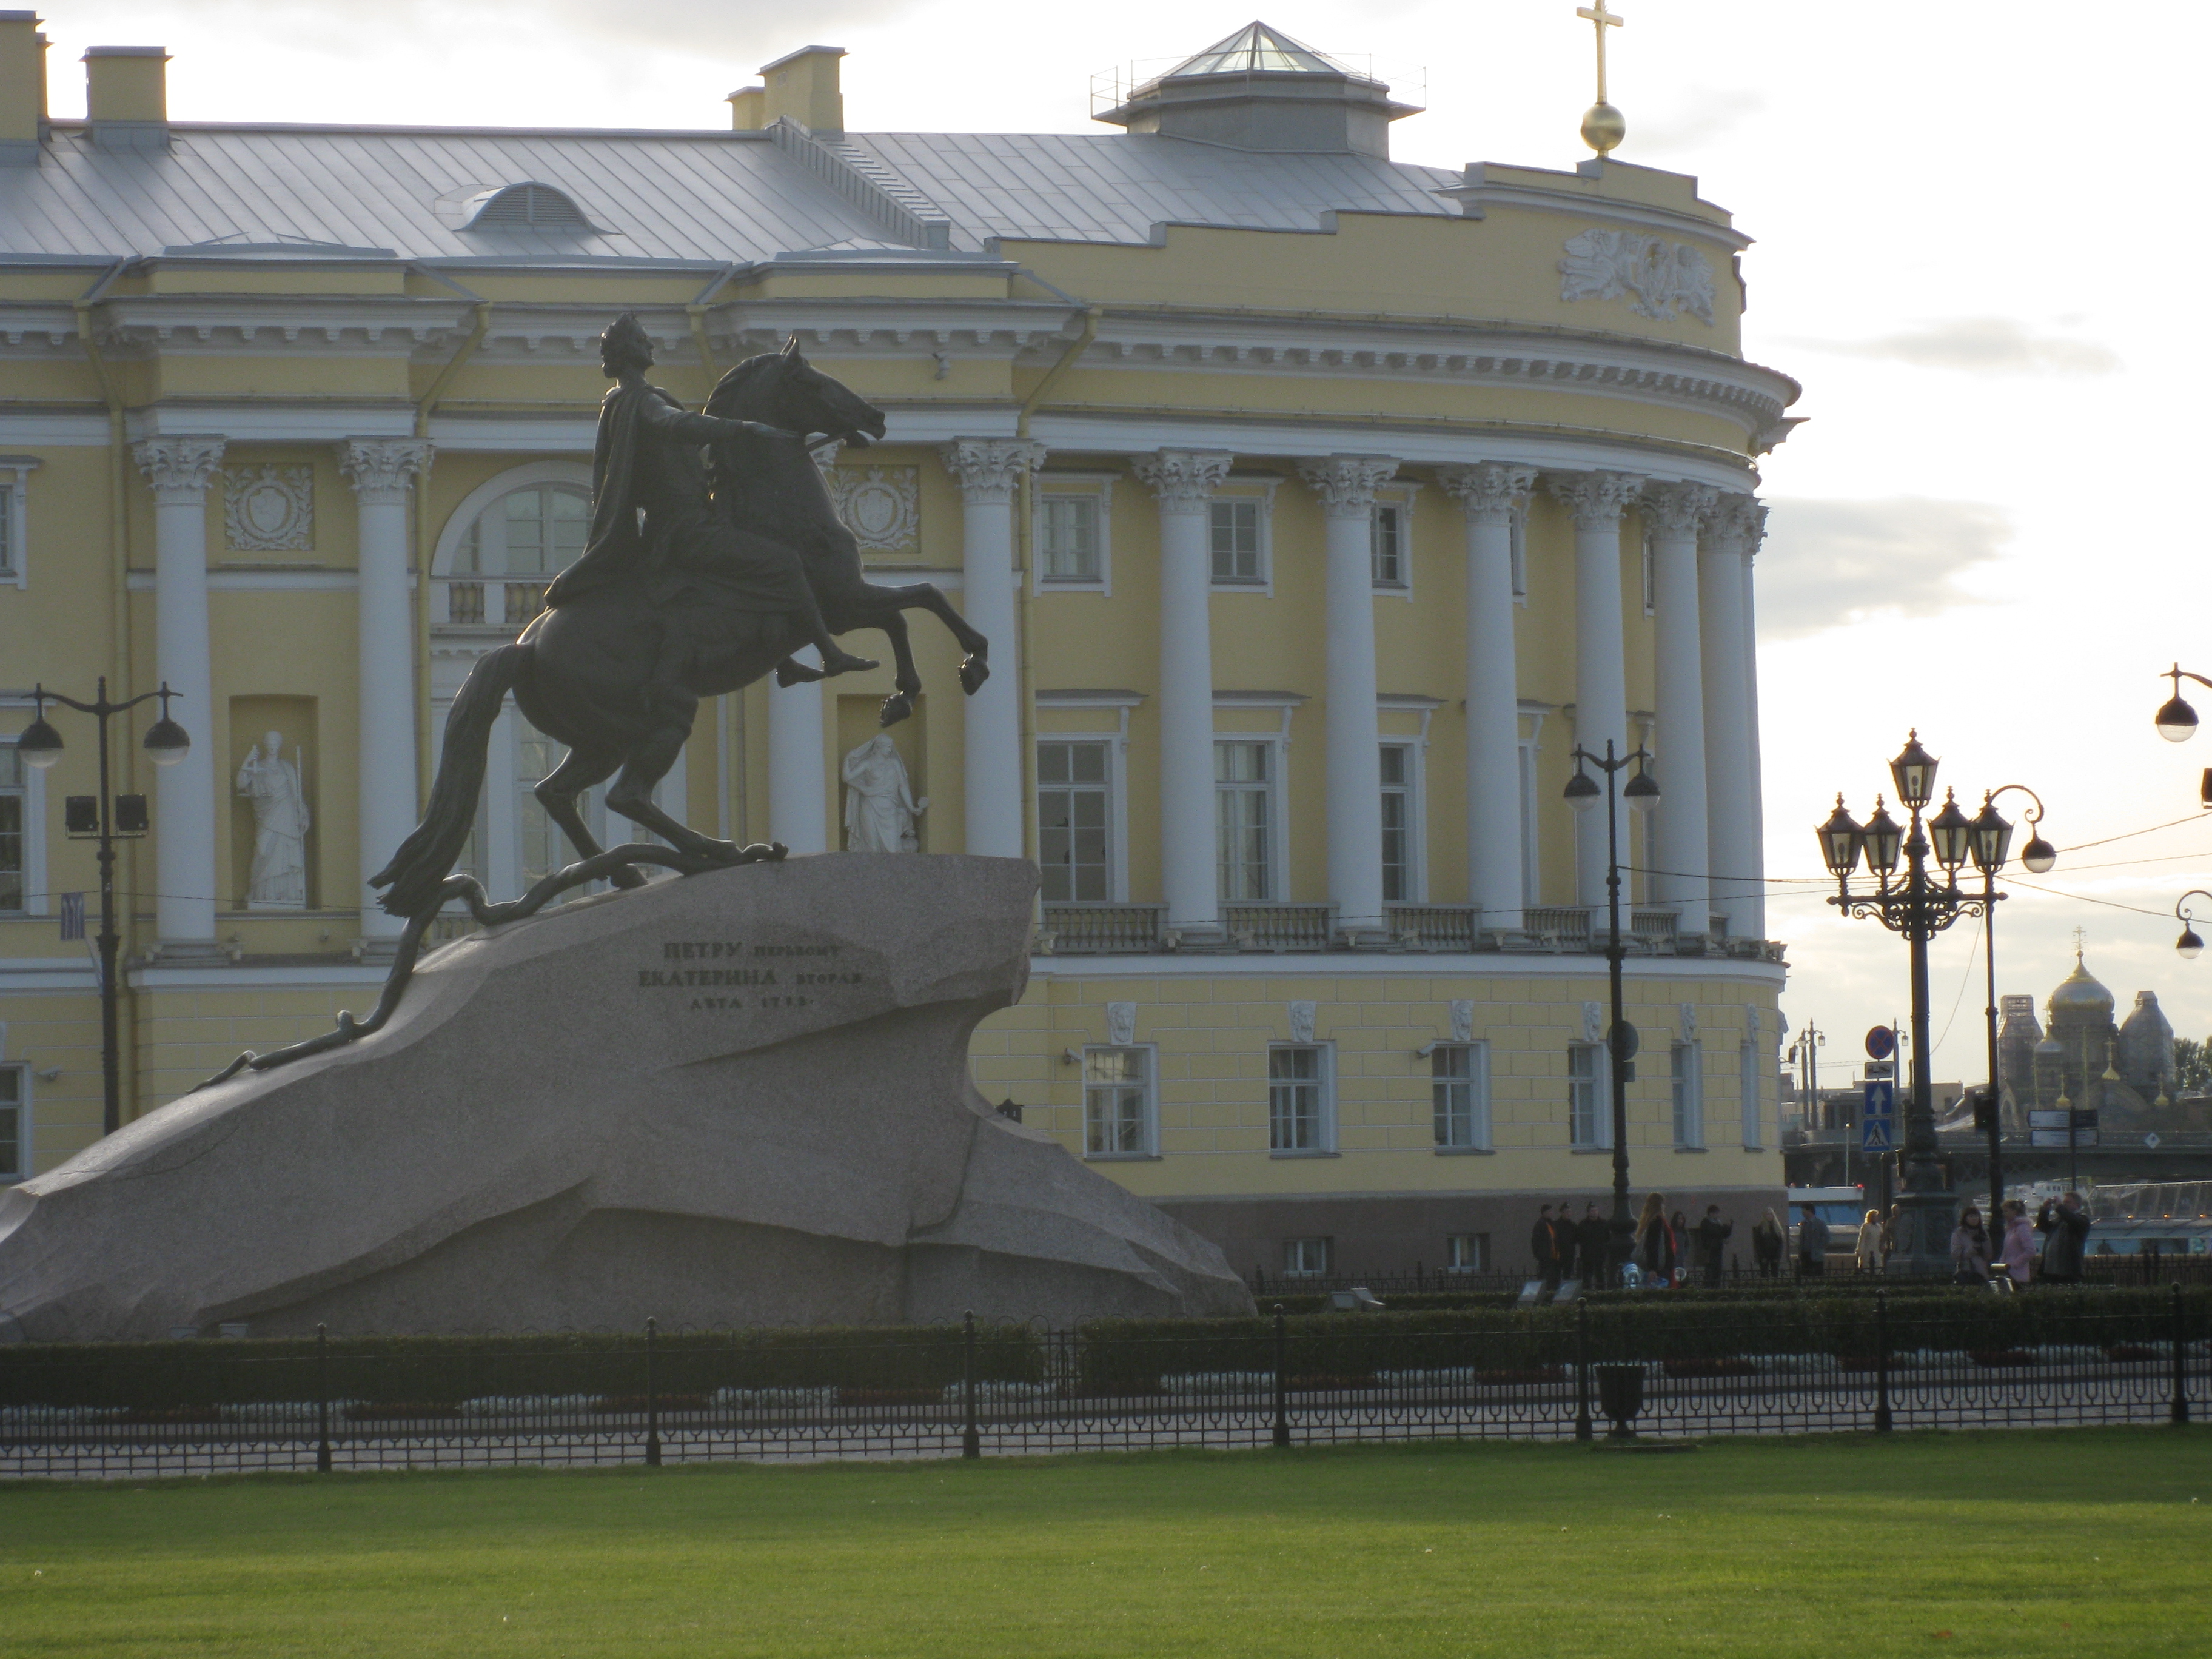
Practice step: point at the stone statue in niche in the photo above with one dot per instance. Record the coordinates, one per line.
(278, 880)
(880, 807)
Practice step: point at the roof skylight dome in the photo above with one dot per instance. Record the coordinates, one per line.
(1259, 90)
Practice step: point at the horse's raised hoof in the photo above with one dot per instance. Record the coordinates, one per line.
(626, 876)
(844, 662)
(791, 672)
(973, 671)
(896, 707)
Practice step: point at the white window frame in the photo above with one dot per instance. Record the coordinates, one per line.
(1650, 575)
(15, 519)
(1599, 1082)
(1746, 1082)
(1476, 1080)
(1532, 840)
(1117, 769)
(1324, 1084)
(1117, 863)
(1276, 818)
(1247, 486)
(25, 1164)
(1685, 1068)
(1097, 486)
(1150, 1136)
(1398, 496)
(1409, 791)
(1295, 1250)
(1478, 1247)
(32, 790)
(1518, 554)
(577, 475)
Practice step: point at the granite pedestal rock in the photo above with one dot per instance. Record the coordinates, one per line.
(740, 1097)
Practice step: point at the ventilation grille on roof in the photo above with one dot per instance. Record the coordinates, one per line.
(534, 206)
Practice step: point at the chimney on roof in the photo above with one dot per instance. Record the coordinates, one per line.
(127, 96)
(748, 109)
(803, 86)
(22, 88)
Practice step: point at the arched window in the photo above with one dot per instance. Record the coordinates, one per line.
(526, 207)
(510, 549)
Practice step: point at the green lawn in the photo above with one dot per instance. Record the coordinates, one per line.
(2089, 1544)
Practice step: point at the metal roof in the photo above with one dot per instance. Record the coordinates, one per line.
(1259, 48)
(692, 197)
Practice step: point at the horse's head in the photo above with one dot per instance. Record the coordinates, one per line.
(781, 388)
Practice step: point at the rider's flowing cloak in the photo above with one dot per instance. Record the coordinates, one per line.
(684, 546)
(618, 547)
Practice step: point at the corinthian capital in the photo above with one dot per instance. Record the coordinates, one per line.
(1345, 483)
(989, 469)
(1596, 499)
(1738, 525)
(1678, 510)
(1183, 479)
(380, 469)
(178, 468)
(1488, 491)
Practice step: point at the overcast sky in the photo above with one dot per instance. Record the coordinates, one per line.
(1969, 251)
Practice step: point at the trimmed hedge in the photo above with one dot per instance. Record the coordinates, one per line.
(447, 1370)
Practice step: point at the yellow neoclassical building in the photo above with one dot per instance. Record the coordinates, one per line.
(1317, 505)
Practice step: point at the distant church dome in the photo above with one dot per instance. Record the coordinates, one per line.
(2079, 1000)
(2146, 1046)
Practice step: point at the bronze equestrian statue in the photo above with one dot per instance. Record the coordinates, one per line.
(698, 582)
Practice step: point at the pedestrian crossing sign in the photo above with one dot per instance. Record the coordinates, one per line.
(1878, 1117)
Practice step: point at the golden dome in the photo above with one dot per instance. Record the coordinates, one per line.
(2080, 999)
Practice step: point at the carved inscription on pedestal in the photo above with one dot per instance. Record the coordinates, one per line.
(729, 975)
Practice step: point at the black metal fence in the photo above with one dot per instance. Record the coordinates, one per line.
(1937, 1357)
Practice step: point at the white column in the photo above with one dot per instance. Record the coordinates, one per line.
(381, 471)
(1596, 499)
(1675, 513)
(1184, 481)
(798, 767)
(1731, 765)
(988, 470)
(184, 823)
(1345, 484)
(1488, 493)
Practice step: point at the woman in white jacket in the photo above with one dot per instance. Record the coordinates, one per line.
(1868, 1252)
(2016, 1251)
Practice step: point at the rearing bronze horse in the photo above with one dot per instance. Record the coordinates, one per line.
(584, 674)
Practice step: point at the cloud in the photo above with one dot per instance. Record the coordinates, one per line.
(1707, 114)
(1980, 345)
(1831, 564)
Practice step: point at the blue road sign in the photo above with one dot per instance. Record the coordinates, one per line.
(1878, 1117)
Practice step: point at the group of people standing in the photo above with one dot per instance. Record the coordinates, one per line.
(1978, 1252)
(1665, 1249)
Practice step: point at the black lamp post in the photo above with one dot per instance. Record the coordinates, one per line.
(2176, 721)
(106, 819)
(1918, 906)
(1641, 794)
(1992, 842)
(2189, 946)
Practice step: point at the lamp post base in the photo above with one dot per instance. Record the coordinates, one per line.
(1925, 1221)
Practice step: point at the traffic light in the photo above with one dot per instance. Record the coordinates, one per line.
(1986, 1111)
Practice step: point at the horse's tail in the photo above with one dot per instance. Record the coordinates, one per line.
(426, 857)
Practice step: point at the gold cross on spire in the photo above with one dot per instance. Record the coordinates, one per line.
(1603, 126)
(2080, 942)
(1601, 20)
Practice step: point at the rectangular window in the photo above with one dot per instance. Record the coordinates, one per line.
(14, 831)
(1398, 871)
(1235, 530)
(1519, 546)
(1070, 538)
(1686, 1064)
(8, 551)
(1243, 792)
(1650, 579)
(1747, 1083)
(1460, 1090)
(1299, 1118)
(1589, 1112)
(1467, 1253)
(1072, 817)
(1387, 532)
(1117, 1103)
(1308, 1258)
(14, 1155)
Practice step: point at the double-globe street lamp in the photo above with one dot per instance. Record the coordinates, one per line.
(1642, 794)
(106, 817)
(1919, 907)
